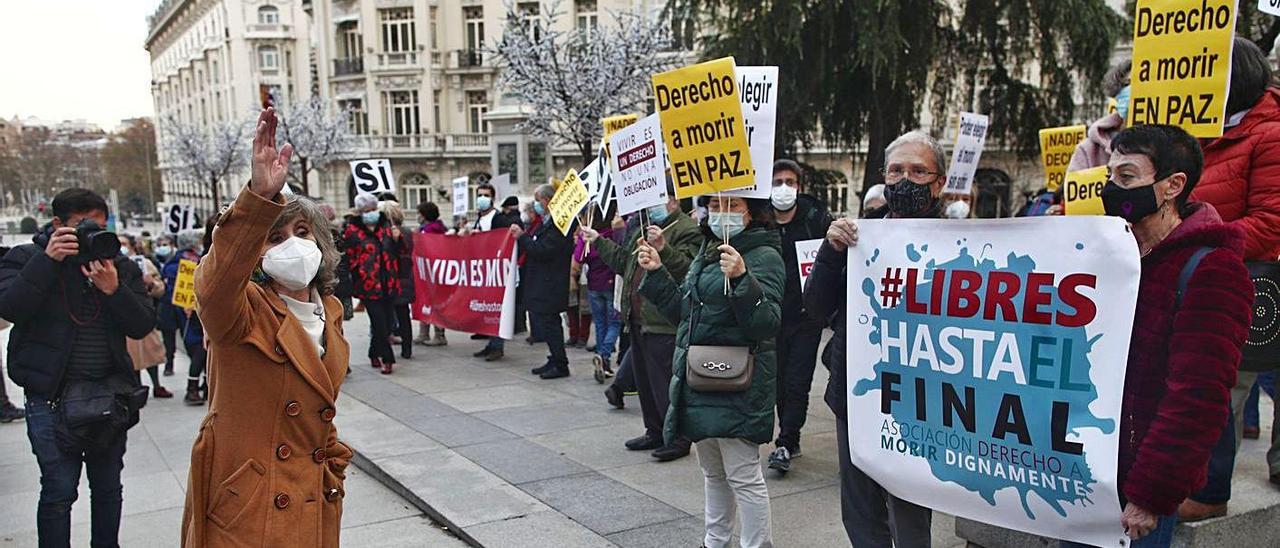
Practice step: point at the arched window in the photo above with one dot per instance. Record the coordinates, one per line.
(268, 15)
(415, 188)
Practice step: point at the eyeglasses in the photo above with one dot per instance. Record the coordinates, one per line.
(895, 174)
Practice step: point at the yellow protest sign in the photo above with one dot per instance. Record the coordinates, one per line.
(1182, 64)
(703, 128)
(184, 287)
(570, 198)
(614, 123)
(1057, 144)
(1082, 191)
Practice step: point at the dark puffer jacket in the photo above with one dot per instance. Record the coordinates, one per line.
(37, 293)
(749, 316)
(1242, 177)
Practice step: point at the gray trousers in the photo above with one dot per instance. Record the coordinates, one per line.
(872, 517)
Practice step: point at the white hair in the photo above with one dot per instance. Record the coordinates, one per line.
(544, 192)
(920, 138)
(190, 239)
(874, 193)
(364, 201)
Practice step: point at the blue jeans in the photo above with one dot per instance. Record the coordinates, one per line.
(1160, 537)
(60, 476)
(608, 322)
(495, 344)
(1267, 383)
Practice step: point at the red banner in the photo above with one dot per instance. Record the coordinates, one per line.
(466, 283)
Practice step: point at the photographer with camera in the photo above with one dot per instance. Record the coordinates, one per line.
(73, 299)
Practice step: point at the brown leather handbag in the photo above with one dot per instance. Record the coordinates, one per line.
(715, 368)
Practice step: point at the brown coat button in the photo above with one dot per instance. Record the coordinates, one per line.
(328, 414)
(293, 408)
(283, 452)
(331, 494)
(318, 456)
(282, 501)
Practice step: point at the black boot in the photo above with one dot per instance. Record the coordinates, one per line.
(678, 449)
(9, 413)
(194, 395)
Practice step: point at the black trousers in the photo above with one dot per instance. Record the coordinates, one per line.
(381, 316)
(170, 337)
(650, 363)
(404, 328)
(547, 326)
(797, 357)
(199, 358)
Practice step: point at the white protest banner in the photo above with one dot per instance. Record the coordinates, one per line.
(968, 150)
(758, 90)
(806, 253)
(638, 163)
(373, 176)
(180, 217)
(461, 196)
(986, 372)
(1269, 6)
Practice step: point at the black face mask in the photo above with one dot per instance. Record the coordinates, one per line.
(909, 199)
(1130, 204)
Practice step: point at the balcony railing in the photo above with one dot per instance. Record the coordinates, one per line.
(468, 58)
(397, 59)
(424, 143)
(346, 67)
(267, 28)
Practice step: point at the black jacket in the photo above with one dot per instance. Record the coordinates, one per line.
(546, 268)
(810, 223)
(36, 294)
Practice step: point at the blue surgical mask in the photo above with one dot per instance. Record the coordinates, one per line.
(163, 251)
(370, 217)
(483, 203)
(1122, 103)
(537, 208)
(725, 225)
(657, 214)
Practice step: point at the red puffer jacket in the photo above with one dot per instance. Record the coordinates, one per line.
(1182, 361)
(1242, 177)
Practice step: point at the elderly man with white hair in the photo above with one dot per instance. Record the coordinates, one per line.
(914, 173)
(546, 281)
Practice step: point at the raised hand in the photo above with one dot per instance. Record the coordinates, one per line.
(270, 167)
(647, 256)
(588, 234)
(62, 244)
(843, 233)
(731, 262)
(654, 234)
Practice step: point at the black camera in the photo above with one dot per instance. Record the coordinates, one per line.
(96, 243)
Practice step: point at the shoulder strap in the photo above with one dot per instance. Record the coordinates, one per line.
(1187, 270)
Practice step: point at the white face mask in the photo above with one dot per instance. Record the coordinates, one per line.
(958, 210)
(292, 263)
(783, 197)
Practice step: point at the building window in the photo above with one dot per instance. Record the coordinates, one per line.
(537, 162)
(474, 20)
(434, 15)
(415, 188)
(529, 14)
(397, 29)
(509, 162)
(268, 15)
(435, 110)
(587, 17)
(402, 112)
(268, 58)
(349, 40)
(477, 106)
(357, 118)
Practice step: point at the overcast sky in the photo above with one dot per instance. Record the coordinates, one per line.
(69, 59)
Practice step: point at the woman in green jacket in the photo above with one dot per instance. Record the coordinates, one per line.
(727, 427)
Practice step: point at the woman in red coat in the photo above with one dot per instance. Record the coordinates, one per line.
(1242, 181)
(1185, 348)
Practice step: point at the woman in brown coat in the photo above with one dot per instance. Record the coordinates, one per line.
(267, 467)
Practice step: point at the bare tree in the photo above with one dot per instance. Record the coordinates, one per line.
(320, 134)
(207, 154)
(572, 79)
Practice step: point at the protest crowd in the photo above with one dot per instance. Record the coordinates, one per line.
(699, 304)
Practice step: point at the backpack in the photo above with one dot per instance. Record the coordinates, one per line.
(1261, 351)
